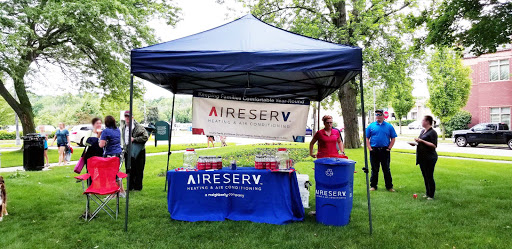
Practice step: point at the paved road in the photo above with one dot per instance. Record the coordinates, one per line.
(490, 150)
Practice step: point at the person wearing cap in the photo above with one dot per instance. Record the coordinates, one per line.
(380, 138)
(138, 154)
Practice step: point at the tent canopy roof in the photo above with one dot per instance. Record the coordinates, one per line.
(248, 57)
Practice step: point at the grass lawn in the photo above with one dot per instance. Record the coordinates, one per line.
(472, 210)
(15, 158)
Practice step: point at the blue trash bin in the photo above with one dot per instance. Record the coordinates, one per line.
(334, 190)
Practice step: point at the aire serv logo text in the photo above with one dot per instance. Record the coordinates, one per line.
(228, 181)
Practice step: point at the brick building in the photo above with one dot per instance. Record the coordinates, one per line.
(490, 99)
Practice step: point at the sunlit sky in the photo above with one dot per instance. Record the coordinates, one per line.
(196, 16)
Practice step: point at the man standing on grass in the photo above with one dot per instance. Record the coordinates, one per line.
(139, 138)
(380, 138)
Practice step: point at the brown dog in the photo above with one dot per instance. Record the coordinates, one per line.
(3, 199)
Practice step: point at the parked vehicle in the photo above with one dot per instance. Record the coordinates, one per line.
(79, 133)
(12, 128)
(309, 131)
(484, 133)
(415, 125)
(47, 128)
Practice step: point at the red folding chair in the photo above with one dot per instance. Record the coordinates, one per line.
(103, 173)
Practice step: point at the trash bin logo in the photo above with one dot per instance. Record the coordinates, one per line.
(329, 172)
(334, 186)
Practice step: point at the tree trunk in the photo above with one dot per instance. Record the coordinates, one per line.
(348, 99)
(400, 125)
(22, 107)
(27, 120)
(443, 130)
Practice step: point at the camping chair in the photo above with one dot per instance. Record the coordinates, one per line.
(102, 172)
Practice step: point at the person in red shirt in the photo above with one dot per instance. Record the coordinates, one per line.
(327, 139)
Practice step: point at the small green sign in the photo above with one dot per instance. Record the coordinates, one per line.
(161, 131)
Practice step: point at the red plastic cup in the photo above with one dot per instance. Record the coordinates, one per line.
(414, 196)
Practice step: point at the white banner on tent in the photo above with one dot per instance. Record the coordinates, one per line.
(250, 117)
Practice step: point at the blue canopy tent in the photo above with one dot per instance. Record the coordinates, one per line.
(251, 58)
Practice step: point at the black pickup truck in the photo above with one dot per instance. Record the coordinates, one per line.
(485, 133)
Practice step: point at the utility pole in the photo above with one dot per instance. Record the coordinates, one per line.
(18, 140)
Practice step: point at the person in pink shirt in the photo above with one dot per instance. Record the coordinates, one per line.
(327, 139)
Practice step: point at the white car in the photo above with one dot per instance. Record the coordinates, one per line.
(12, 128)
(79, 133)
(47, 128)
(415, 125)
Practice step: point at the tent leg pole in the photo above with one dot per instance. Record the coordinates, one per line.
(170, 141)
(318, 117)
(129, 153)
(365, 169)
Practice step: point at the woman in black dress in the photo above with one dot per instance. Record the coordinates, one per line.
(426, 155)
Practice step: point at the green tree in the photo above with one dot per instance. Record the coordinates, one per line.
(89, 38)
(353, 22)
(152, 115)
(479, 25)
(182, 108)
(6, 114)
(449, 84)
(183, 115)
(394, 68)
(85, 113)
(402, 101)
(459, 121)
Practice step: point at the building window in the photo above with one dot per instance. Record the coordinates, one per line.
(500, 115)
(499, 70)
(414, 115)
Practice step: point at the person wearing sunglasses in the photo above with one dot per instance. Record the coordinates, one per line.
(327, 139)
(380, 138)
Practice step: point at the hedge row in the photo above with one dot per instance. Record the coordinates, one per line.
(405, 122)
(6, 135)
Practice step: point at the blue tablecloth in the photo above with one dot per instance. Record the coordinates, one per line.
(244, 194)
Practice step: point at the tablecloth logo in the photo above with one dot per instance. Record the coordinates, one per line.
(243, 179)
(329, 172)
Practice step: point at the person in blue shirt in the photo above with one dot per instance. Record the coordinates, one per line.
(62, 137)
(110, 141)
(380, 138)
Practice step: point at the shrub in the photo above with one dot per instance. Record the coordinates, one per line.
(245, 158)
(459, 121)
(5, 135)
(51, 135)
(405, 122)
